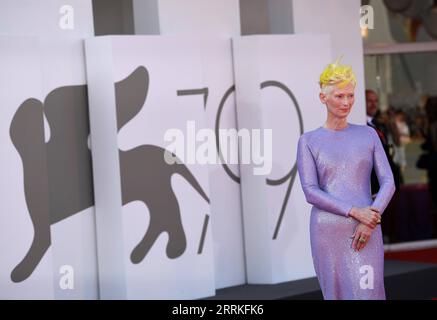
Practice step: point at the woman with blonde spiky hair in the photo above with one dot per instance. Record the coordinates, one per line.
(335, 162)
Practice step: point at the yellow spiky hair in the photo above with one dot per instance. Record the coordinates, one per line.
(337, 74)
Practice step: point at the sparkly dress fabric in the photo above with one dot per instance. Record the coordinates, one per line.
(334, 169)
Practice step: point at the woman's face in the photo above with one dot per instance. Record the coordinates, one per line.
(339, 101)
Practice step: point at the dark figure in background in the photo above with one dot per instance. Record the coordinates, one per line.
(386, 122)
(383, 133)
(388, 224)
(430, 145)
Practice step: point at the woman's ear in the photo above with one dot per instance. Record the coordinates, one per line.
(322, 97)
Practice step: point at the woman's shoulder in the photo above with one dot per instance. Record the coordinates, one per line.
(368, 134)
(312, 138)
(364, 129)
(308, 135)
(372, 132)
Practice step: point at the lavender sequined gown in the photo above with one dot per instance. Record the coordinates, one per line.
(334, 168)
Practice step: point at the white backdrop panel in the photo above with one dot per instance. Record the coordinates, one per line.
(277, 88)
(150, 74)
(226, 215)
(47, 184)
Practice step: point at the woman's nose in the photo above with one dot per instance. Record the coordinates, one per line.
(346, 101)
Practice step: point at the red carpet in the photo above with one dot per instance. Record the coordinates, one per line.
(423, 255)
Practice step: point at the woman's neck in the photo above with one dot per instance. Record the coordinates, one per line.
(335, 123)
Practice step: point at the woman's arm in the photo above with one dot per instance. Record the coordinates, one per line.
(307, 169)
(384, 174)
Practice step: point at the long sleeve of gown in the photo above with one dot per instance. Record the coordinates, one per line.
(307, 169)
(384, 174)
